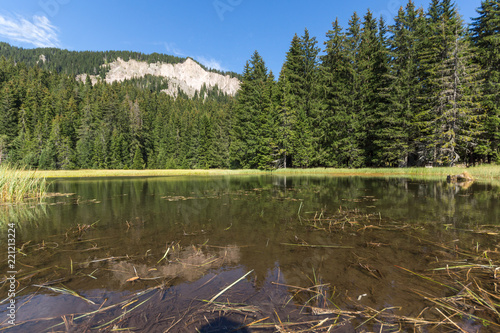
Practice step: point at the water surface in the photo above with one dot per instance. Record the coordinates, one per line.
(308, 243)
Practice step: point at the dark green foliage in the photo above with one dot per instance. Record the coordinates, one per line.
(51, 121)
(394, 139)
(138, 161)
(336, 125)
(250, 145)
(485, 31)
(449, 117)
(86, 62)
(299, 104)
(422, 91)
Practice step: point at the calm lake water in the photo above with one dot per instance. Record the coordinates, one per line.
(146, 254)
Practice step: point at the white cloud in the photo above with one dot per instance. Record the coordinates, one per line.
(172, 48)
(211, 63)
(38, 32)
(207, 62)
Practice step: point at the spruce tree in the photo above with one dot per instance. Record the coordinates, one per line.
(301, 106)
(286, 121)
(371, 68)
(396, 134)
(8, 113)
(335, 75)
(448, 121)
(351, 150)
(251, 105)
(85, 137)
(138, 161)
(485, 33)
(268, 147)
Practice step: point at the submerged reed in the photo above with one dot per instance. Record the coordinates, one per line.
(17, 185)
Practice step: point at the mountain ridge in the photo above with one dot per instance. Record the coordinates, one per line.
(187, 76)
(183, 74)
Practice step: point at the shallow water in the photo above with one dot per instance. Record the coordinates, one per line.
(309, 243)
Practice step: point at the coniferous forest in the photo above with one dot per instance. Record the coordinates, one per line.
(422, 91)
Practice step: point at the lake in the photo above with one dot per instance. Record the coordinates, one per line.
(256, 254)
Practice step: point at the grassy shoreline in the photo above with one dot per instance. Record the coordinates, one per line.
(486, 172)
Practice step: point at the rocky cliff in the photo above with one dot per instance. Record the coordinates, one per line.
(187, 76)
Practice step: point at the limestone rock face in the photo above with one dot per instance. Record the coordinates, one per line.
(188, 76)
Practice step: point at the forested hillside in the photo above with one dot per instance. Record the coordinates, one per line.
(51, 121)
(424, 90)
(84, 62)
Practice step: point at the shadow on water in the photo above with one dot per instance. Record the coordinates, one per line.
(325, 253)
(223, 325)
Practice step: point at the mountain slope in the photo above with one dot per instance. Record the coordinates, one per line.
(182, 74)
(188, 76)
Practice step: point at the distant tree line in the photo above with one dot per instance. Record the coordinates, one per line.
(50, 120)
(424, 90)
(86, 62)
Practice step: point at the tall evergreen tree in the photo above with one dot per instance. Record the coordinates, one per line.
(371, 68)
(268, 151)
(485, 31)
(449, 118)
(251, 105)
(301, 105)
(286, 121)
(336, 123)
(397, 132)
(352, 146)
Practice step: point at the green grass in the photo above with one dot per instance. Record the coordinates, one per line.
(485, 172)
(141, 173)
(17, 185)
(480, 172)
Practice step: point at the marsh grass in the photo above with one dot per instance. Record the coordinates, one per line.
(90, 173)
(17, 185)
(483, 173)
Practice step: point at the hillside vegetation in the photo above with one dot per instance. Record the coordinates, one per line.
(422, 91)
(86, 62)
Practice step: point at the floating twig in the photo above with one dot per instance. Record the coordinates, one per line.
(229, 287)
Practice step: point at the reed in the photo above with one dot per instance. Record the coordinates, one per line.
(17, 185)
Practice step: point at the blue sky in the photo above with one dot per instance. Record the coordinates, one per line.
(221, 34)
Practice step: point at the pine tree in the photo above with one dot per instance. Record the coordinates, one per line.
(335, 76)
(485, 31)
(251, 104)
(138, 161)
(301, 105)
(268, 147)
(396, 134)
(350, 148)
(8, 113)
(448, 121)
(85, 137)
(286, 121)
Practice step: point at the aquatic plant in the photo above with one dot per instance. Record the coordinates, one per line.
(17, 185)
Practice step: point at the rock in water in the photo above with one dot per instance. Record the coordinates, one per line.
(463, 177)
